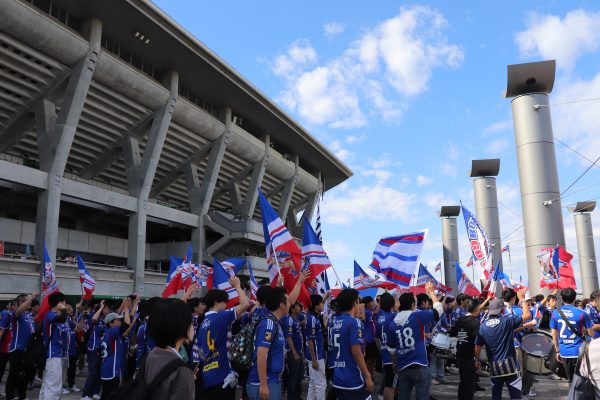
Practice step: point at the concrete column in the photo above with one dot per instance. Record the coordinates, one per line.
(140, 175)
(201, 194)
(246, 209)
(288, 191)
(585, 247)
(530, 84)
(55, 137)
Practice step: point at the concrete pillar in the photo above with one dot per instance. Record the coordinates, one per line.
(288, 191)
(246, 209)
(201, 195)
(448, 216)
(530, 84)
(140, 175)
(55, 136)
(486, 205)
(585, 246)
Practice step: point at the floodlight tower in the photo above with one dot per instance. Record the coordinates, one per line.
(529, 85)
(448, 216)
(585, 245)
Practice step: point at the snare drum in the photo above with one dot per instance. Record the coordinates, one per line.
(536, 346)
(442, 345)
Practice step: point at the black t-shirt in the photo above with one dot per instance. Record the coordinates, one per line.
(466, 330)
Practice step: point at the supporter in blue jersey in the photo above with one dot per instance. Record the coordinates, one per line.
(213, 337)
(569, 326)
(52, 328)
(269, 348)
(388, 309)
(22, 328)
(117, 326)
(144, 341)
(72, 328)
(315, 350)
(96, 327)
(260, 310)
(591, 309)
(331, 351)
(295, 362)
(351, 378)
(515, 307)
(371, 352)
(406, 342)
(5, 336)
(496, 333)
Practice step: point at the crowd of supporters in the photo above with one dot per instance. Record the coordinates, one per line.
(198, 348)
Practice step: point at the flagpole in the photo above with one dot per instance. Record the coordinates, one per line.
(336, 275)
(277, 262)
(510, 264)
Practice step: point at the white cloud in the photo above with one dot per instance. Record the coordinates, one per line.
(381, 175)
(344, 155)
(395, 58)
(496, 147)
(496, 127)
(405, 181)
(337, 249)
(453, 153)
(298, 54)
(351, 139)
(550, 37)
(578, 125)
(375, 203)
(436, 200)
(423, 180)
(333, 28)
(449, 169)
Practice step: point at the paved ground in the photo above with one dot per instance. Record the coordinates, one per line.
(546, 389)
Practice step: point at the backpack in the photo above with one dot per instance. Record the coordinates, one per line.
(36, 352)
(241, 350)
(138, 389)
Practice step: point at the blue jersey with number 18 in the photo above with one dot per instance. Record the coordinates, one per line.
(406, 336)
(345, 334)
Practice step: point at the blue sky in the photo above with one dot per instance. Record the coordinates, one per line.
(407, 94)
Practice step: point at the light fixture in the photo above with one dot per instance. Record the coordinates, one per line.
(141, 36)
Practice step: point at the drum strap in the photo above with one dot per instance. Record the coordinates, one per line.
(576, 332)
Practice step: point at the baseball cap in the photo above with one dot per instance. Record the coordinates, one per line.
(111, 317)
(496, 306)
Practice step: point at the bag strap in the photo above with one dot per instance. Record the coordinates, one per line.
(586, 355)
(579, 335)
(164, 373)
(262, 319)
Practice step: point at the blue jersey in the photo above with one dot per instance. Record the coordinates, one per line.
(568, 341)
(112, 354)
(495, 334)
(369, 326)
(22, 327)
(212, 343)
(383, 320)
(314, 332)
(258, 313)
(406, 336)
(346, 333)
(96, 331)
(292, 329)
(332, 351)
(268, 334)
(457, 313)
(591, 311)
(5, 325)
(144, 342)
(70, 326)
(52, 333)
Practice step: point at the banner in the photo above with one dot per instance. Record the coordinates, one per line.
(481, 248)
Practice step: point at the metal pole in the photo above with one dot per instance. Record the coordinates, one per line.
(587, 253)
(530, 84)
(486, 205)
(450, 243)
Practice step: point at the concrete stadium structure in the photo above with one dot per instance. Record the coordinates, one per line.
(123, 138)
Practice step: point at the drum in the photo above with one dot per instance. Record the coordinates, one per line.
(536, 346)
(443, 345)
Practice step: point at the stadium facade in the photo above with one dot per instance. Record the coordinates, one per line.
(124, 139)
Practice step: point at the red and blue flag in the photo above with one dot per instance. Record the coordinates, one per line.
(88, 284)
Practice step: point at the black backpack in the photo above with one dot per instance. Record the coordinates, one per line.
(137, 388)
(36, 349)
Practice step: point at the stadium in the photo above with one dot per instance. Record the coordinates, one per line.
(124, 139)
